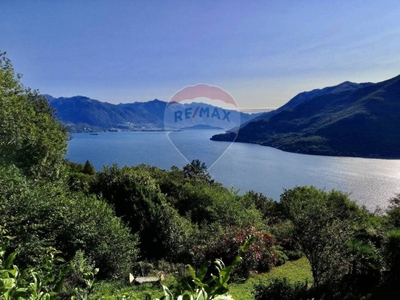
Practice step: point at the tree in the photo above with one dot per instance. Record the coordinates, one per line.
(41, 214)
(393, 211)
(392, 255)
(197, 171)
(324, 224)
(88, 168)
(30, 136)
(137, 199)
(269, 208)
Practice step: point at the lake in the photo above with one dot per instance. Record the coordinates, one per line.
(370, 182)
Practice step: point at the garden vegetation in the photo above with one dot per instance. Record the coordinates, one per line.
(69, 232)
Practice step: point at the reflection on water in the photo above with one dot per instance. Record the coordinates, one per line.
(370, 182)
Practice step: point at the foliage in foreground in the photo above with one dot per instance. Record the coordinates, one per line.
(281, 289)
(67, 222)
(205, 285)
(260, 255)
(48, 281)
(52, 278)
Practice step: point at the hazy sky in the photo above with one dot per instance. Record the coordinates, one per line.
(262, 52)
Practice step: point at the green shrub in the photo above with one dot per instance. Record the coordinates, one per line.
(260, 255)
(79, 279)
(393, 212)
(270, 209)
(211, 280)
(281, 289)
(392, 254)
(137, 199)
(41, 215)
(45, 281)
(365, 268)
(31, 138)
(283, 233)
(207, 204)
(323, 225)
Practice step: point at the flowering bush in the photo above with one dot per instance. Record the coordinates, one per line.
(260, 255)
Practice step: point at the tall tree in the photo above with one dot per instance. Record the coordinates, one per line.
(324, 224)
(88, 168)
(30, 136)
(197, 171)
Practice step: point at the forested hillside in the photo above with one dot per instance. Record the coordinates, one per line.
(82, 114)
(356, 120)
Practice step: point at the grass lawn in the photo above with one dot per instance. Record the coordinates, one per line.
(294, 271)
(298, 270)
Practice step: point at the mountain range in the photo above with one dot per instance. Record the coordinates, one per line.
(349, 119)
(82, 114)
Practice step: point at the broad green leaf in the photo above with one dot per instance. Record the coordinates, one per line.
(201, 295)
(7, 283)
(9, 260)
(200, 283)
(224, 297)
(203, 270)
(191, 271)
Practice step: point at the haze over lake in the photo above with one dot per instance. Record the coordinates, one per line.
(244, 167)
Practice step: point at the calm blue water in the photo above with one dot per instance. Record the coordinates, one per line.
(370, 182)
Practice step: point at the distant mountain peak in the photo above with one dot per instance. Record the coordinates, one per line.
(350, 119)
(154, 101)
(78, 97)
(80, 113)
(308, 95)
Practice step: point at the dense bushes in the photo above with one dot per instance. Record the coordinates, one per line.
(281, 289)
(38, 216)
(324, 224)
(170, 227)
(353, 253)
(203, 203)
(37, 208)
(391, 242)
(30, 136)
(137, 200)
(343, 242)
(260, 255)
(392, 254)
